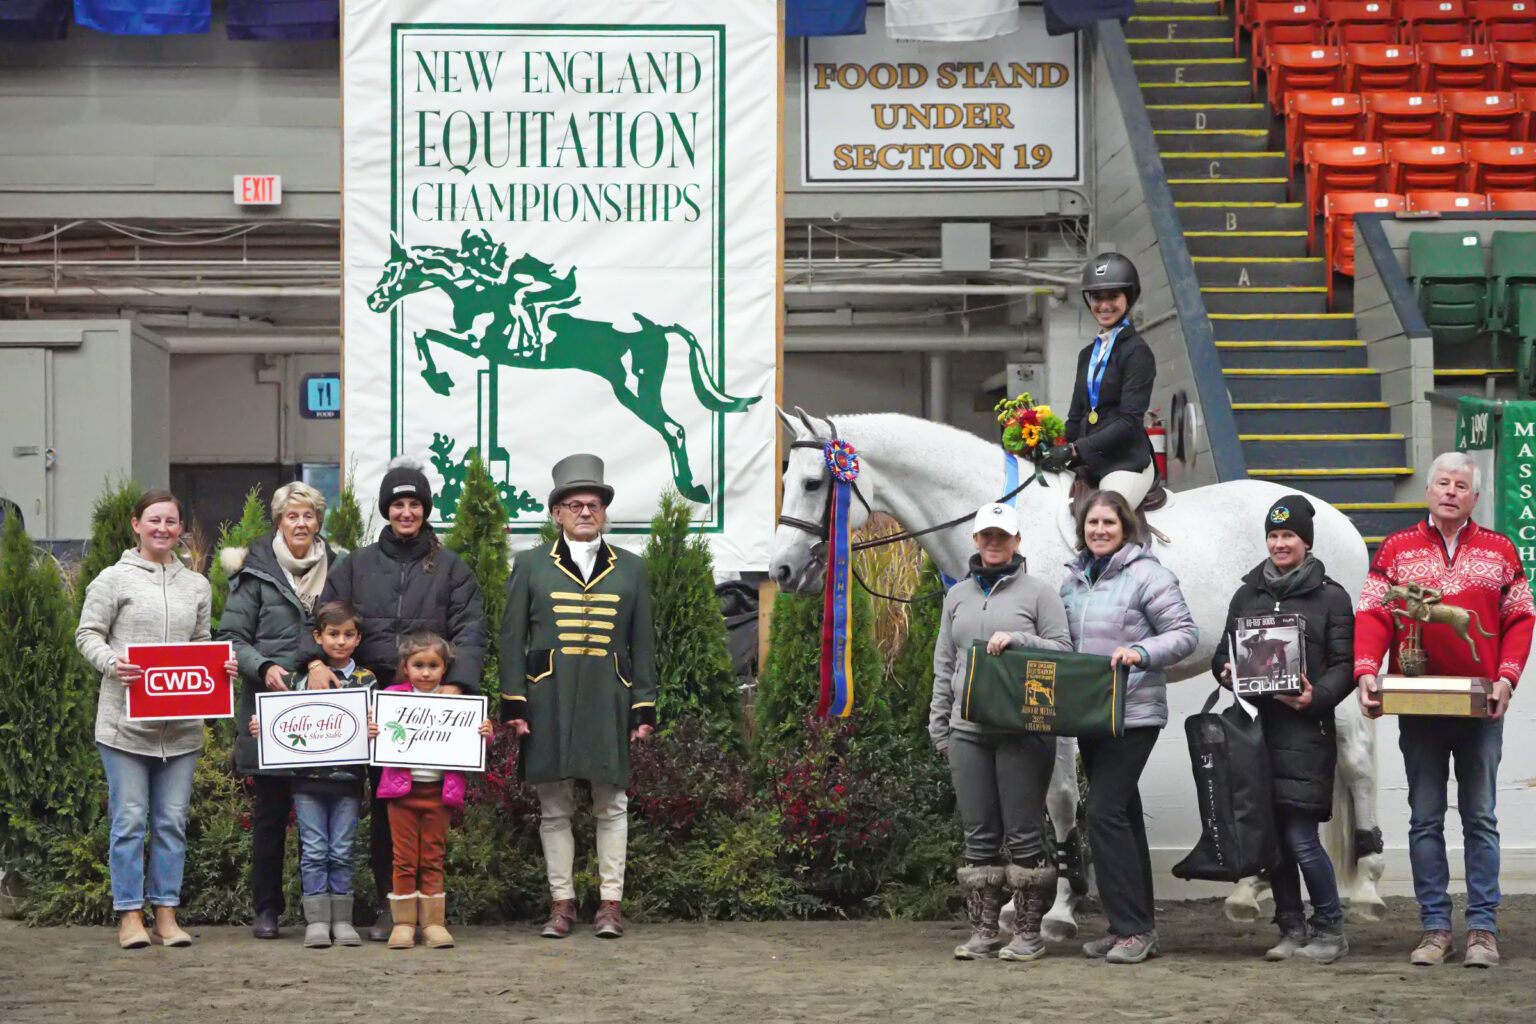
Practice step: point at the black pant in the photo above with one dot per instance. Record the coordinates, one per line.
(271, 805)
(1117, 830)
(381, 843)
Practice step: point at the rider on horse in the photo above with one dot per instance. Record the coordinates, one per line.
(1107, 443)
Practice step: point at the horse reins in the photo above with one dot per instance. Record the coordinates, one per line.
(819, 530)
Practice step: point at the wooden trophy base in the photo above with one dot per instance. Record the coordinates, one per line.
(1444, 696)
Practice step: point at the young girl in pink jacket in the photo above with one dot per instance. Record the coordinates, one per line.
(420, 805)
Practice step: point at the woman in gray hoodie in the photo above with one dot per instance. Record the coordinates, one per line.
(147, 597)
(1122, 602)
(1000, 778)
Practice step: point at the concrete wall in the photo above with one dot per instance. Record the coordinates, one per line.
(245, 409)
(119, 127)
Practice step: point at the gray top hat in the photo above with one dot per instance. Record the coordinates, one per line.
(579, 473)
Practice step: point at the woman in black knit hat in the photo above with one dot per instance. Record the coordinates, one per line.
(1299, 729)
(405, 582)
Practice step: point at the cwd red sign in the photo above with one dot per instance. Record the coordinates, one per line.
(181, 681)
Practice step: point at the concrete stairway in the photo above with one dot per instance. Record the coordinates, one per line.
(1308, 408)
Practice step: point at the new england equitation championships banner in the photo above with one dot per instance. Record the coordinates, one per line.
(560, 227)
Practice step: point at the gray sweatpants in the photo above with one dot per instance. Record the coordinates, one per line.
(1000, 784)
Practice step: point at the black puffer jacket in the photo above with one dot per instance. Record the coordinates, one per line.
(1302, 746)
(399, 587)
(265, 623)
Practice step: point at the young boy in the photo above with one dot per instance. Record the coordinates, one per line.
(326, 801)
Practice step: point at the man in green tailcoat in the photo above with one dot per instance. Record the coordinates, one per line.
(578, 684)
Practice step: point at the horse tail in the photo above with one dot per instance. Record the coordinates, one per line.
(704, 385)
(1477, 623)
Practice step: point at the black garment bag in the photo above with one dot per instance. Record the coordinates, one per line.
(1232, 785)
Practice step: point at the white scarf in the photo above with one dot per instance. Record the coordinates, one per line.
(305, 575)
(584, 554)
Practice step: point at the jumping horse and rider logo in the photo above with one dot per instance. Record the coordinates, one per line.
(504, 315)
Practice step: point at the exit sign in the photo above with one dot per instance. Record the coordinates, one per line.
(258, 189)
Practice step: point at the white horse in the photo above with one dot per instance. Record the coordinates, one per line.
(923, 474)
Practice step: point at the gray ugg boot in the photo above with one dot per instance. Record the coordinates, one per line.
(1032, 889)
(341, 922)
(1293, 935)
(1327, 943)
(317, 921)
(982, 886)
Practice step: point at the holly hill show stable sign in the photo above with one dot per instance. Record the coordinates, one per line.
(560, 226)
(312, 728)
(1002, 113)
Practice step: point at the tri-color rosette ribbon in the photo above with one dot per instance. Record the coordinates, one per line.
(836, 652)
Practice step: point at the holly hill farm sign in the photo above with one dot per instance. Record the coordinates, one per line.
(419, 730)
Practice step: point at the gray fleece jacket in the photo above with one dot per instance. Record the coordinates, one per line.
(1020, 605)
(1134, 601)
(138, 601)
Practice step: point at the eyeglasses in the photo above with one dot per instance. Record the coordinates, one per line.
(576, 508)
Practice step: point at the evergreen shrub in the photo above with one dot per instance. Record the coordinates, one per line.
(479, 536)
(344, 524)
(111, 534)
(251, 527)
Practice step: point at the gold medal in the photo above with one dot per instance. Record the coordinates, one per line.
(1093, 415)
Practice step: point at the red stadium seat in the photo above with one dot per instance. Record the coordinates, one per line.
(1380, 67)
(1320, 115)
(1422, 165)
(1525, 99)
(1521, 202)
(1275, 23)
(1501, 166)
(1340, 166)
(1480, 115)
(1456, 66)
(1345, 23)
(1503, 21)
(1517, 64)
(1401, 115)
(1293, 68)
(1435, 21)
(1446, 202)
(1339, 209)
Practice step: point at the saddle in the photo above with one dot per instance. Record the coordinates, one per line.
(1156, 498)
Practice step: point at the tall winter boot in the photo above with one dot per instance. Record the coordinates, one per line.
(433, 912)
(402, 910)
(317, 921)
(341, 922)
(1326, 944)
(982, 887)
(1032, 890)
(1293, 935)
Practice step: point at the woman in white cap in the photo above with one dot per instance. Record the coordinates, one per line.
(1000, 778)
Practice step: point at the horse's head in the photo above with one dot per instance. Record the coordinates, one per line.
(402, 276)
(799, 561)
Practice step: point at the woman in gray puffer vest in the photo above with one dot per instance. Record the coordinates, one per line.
(1000, 778)
(148, 597)
(1122, 602)
(273, 589)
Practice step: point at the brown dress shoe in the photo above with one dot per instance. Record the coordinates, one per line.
(609, 922)
(1482, 949)
(1433, 948)
(562, 914)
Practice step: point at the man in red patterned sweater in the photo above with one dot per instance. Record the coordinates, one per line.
(1479, 570)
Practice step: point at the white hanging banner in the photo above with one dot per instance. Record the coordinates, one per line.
(560, 231)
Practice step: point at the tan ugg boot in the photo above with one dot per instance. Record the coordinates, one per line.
(433, 910)
(403, 910)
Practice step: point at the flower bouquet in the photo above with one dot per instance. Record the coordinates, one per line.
(1028, 429)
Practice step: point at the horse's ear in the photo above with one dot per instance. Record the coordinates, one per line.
(396, 250)
(805, 417)
(789, 425)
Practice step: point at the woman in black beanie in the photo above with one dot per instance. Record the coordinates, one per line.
(1299, 729)
(404, 582)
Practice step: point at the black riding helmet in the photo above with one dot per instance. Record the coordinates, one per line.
(1112, 272)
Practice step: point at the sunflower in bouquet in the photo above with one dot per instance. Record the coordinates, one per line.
(1028, 429)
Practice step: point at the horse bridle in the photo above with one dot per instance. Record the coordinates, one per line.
(821, 530)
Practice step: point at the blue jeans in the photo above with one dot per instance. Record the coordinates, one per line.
(327, 828)
(1302, 858)
(145, 792)
(1429, 747)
